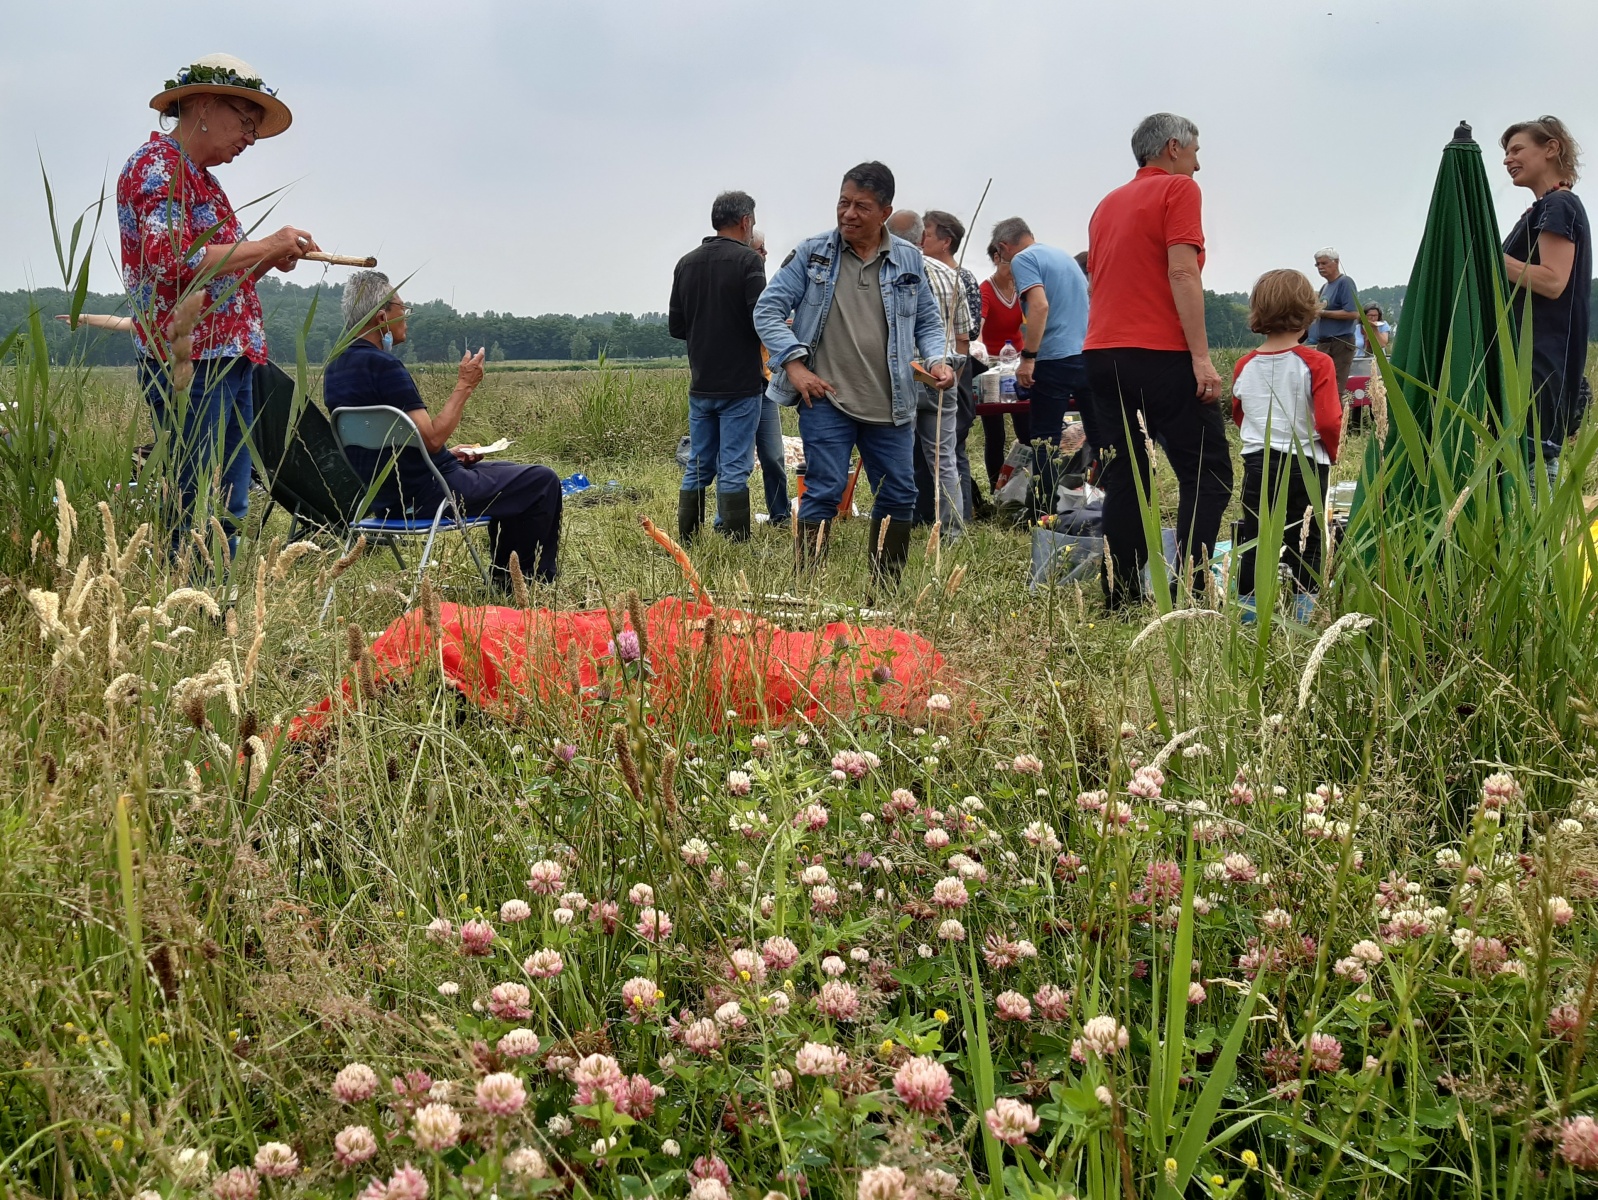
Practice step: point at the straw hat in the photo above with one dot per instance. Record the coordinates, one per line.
(224, 75)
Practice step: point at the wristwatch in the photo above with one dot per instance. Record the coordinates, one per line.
(1029, 354)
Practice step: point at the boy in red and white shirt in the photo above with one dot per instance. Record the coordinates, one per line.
(1285, 401)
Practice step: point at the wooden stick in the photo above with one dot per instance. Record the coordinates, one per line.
(340, 260)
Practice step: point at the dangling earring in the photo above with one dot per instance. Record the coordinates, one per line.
(204, 128)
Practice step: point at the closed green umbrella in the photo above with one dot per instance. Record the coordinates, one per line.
(1447, 365)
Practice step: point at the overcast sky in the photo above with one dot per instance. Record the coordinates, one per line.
(559, 157)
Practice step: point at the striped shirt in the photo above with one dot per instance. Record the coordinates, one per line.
(951, 298)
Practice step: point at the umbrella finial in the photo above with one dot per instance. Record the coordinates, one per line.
(1462, 133)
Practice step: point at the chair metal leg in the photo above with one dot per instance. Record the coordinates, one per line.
(427, 551)
(466, 536)
(328, 603)
(393, 544)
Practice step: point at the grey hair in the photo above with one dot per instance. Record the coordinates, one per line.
(1328, 252)
(729, 208)
(1153, 132)
(910, 222)
(757, 237)
(364, 293)
(1010, 231)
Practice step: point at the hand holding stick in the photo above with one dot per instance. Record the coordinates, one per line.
(339, 260)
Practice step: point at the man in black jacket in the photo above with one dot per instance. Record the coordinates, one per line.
(713, 294)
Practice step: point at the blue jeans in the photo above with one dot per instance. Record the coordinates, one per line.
(936, 440)
(888, 452)
(773, 462)
(221, 400)
(722, 442)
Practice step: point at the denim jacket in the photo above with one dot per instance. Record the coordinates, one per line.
(803, 288)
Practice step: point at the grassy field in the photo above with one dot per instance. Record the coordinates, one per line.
(1153, 904)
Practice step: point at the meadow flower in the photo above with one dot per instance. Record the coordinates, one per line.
(1146, 783)
(191, 1166)
(818, 1058)
(1102, 1035)
(1564, 1021)
(654, 925)
(606, 914)
(823, 898)
(1027, 764)
(1011, 1121)
(860, 955)
(1051, 1002)
(1000, 951)
(852, 763)
(923, 1084)
(731, 1015)
(779, 953)
(939, 703)
(744, 966)
(528, 1162)
(625, 646)
(575, 901)
(709, 1189)
(812, 817)
(1162, 880)
(1560, 911)
(1498, 790)
(778, 1004)
(951, 931)
(695, 852)
(901, 802)
(1488, 955)
(353, 1145)
(636, 1098)
(1367, 952)
(1196, 993)
(407, 1183)
(739, 783)
(670, 1148)
(501, 1094)
(1352, 970)
(513, 912)
(950, 892)
(559, 1125)
(509, 1001)
(563, 916)
(640, 895)
(1579, 1143)
(518, 1043)
(838, 1000)
(702, 1037)
(708, 1166)
(597, 1077)
(274, 1160)
(813, 874)
(1276, 919)
(477, 939)
(355, 1084)
(440, 929)
(759, 745)
(1325, 1052)
(832, 966)
(884, 1183)
(545, 877)
(1238, 868)
(435, 1127)
(1012, 1006)
(237, 1183)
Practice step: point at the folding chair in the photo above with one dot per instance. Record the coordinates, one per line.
(382, 427)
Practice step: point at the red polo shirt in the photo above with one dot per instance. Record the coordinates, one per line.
(1128, 237)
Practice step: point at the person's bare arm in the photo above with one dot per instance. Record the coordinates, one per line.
(435, 431)
(1187, 289)
(279, 251)
(1550, 277)
(1037, 320)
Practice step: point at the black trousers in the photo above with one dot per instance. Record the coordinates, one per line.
(1263, 472)
(1159, 385)
(1059, 386)
(994, 447)
(525, 503)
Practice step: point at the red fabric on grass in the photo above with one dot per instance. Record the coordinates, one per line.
(503, 659)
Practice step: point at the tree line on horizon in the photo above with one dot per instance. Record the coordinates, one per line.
(438, 333)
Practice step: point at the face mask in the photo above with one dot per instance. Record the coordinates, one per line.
(388, 341)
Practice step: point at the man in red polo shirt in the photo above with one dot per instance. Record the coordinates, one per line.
(1148, 357)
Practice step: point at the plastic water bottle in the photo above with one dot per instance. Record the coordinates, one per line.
(1009, 360)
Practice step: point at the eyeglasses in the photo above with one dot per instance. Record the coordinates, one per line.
(246, 123)
(405, 309)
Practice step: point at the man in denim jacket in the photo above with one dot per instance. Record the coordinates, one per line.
(860, 306)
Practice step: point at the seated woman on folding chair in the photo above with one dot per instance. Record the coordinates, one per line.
(524, 501)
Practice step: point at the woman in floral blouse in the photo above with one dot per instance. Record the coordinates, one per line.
(180, 236)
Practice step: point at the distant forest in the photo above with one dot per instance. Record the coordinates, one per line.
(437, 333)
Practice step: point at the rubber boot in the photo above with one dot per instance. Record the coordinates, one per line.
(887, 551)
(732, 515)
(809, 545)
(690, 513)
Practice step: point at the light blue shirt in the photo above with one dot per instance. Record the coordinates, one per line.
(1067, 291)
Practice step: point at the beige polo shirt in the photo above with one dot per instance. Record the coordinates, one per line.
(852, 354)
